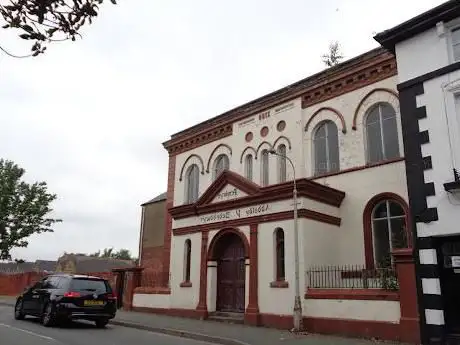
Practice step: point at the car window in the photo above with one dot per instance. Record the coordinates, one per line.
(85, 284)
(63, 282)
(50, 283)
(37, 285)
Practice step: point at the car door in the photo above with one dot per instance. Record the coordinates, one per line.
(30, 297)
(43, 294)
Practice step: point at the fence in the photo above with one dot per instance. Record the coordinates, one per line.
(351, 277)
(14, 284)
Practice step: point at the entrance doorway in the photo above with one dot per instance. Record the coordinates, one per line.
(450, 284)
(231, 274)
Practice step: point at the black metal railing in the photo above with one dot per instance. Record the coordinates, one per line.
(351, 277)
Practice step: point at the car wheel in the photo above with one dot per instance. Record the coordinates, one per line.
(101, 323)
(48, 317)
(18, 311)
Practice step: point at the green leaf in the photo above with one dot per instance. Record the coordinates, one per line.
(28, 28)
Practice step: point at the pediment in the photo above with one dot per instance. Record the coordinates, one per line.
(228, 192)
(231, 191)
(228, 186)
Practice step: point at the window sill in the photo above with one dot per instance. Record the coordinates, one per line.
(185, 284)
(358, 168)
(279, 284)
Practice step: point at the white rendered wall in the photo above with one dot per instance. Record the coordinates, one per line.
(151, 301)
(388, 311)
(185, 297)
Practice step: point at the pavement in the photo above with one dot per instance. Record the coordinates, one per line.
(30, 331)
(140, 328)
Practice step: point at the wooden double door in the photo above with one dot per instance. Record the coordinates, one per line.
(231, 275)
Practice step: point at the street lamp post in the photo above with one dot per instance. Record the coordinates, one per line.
(298, 321)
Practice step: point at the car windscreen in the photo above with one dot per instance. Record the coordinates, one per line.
(85, 284)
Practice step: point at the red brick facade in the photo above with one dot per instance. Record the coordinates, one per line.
(168, 219)
(152, 259)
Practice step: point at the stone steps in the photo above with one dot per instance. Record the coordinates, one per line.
(235, 318)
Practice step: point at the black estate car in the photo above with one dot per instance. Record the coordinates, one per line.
(68, 297)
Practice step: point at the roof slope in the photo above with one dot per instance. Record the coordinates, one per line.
(418, 24)
(160, 197)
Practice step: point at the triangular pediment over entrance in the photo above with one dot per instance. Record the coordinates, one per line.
(228, 186)
(231, 191)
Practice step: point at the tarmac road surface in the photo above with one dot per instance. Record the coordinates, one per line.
(31, 332)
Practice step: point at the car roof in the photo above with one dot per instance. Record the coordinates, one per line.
(78, 276)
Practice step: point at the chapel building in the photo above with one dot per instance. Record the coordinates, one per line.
(229, 242)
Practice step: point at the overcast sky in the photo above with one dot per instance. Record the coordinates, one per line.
(89, 117)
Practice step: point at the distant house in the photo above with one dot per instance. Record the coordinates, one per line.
(152, 235)
(39, 266)
(80, 263)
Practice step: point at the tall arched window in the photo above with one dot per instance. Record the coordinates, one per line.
(220, 164)
(389, 231)
(248, 167)
(187, 259)
(280, 255)
(382, 133)
(265, 168)
(192, 184)
(326, 146)
(281, 163)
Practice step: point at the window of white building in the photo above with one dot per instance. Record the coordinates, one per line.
(389, 231)
(264, 168)
(282, 163)
(221, 164)
(192, 184)
(248, 167)
(326, 146)
(455, 38)
(381, 133)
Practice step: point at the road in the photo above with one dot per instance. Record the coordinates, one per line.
(31, 332)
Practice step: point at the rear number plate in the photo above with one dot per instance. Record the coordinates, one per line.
(93, 303)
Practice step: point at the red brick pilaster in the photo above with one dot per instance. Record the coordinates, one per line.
(202, 306)
(133, 280)
(128, 291)
(168, 220)
(252, 311)
(409, 322)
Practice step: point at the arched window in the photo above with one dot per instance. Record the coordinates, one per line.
(187, 259)
(382, 133)
(389, 231)
(248, 167)
(281, 163)
(192, 184)
(280, 256)
(326, 146)
(220, 164)
(264, 168)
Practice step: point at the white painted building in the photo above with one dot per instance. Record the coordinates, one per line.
(230, 230)
(427, 50)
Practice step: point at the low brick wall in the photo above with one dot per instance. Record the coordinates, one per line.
(14, 284)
